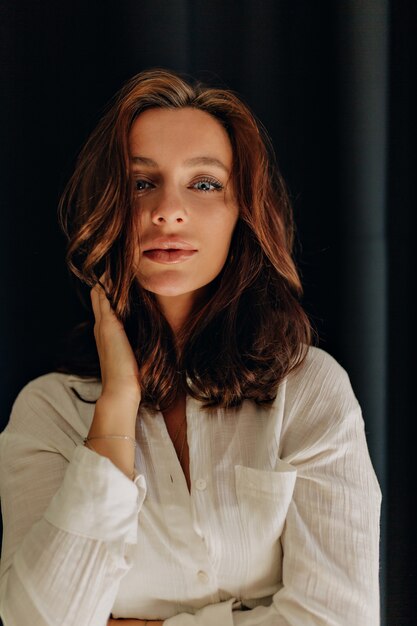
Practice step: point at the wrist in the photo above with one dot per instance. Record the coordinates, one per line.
(123, 385)
(114, 416)
(117, 401)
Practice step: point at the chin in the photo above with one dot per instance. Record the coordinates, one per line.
(173, 283)
(170, 291)
(169, 287)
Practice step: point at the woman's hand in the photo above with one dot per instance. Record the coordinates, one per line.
(117, 408)
(119, 369)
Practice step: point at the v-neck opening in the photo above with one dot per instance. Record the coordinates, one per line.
(173, 451)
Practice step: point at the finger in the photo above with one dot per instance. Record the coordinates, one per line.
(106, 282)
(100, 297)
(95, 293)
(104, 300)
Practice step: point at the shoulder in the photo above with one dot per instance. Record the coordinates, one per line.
(320, 376)
(57, 391)
(319, 397)
(53, 398)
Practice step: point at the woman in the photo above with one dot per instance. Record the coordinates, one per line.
(204, 465)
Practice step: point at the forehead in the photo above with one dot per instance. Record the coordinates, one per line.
(181, 132)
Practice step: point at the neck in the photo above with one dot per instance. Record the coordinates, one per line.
(178, 309)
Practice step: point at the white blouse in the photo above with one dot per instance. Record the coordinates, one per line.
(281, 527)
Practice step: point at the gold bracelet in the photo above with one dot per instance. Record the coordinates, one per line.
(111, 437)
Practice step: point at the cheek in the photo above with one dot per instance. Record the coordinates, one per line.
(142, 225)
(141, 218)
(221, 229)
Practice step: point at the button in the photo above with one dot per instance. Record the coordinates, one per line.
(140, 481)
(200, 484)
(202, 576)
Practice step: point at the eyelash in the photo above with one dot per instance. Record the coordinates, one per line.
(140, 180)
(211, 181)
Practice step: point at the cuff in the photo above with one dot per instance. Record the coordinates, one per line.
(97, 500)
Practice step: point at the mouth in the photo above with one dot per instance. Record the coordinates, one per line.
(169, 255)
(168, 243)
(168, 250)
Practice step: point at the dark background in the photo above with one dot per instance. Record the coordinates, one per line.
(334, 83)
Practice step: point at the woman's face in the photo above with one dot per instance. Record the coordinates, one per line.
(181, 161)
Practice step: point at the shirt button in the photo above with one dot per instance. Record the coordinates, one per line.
(200, 484)
(202, 576)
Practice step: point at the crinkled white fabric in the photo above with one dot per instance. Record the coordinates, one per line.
(281, 527)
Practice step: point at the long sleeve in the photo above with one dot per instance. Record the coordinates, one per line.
(69, 516)
(280, 527)
(330, 540)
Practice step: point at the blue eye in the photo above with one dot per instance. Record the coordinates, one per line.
(207, 184)
(142, 185)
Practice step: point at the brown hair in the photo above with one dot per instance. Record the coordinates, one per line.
(251, 331)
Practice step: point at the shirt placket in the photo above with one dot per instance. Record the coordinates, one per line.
(183, 508)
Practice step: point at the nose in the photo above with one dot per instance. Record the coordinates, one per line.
(169, 209)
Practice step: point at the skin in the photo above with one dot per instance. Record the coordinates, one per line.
(179, 196)
(176, 196)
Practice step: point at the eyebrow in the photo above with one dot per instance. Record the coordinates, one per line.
(199, 160)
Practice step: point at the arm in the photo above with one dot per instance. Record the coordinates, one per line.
(116, 409)
(67, 530)
(69, 512)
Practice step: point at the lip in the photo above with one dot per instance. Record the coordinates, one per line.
(168, 243)
(168, 257)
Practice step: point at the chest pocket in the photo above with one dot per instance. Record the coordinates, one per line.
(263, 499)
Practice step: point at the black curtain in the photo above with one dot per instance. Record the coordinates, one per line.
(334, 83)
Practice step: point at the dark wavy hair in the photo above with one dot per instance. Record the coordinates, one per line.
(251, 330)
